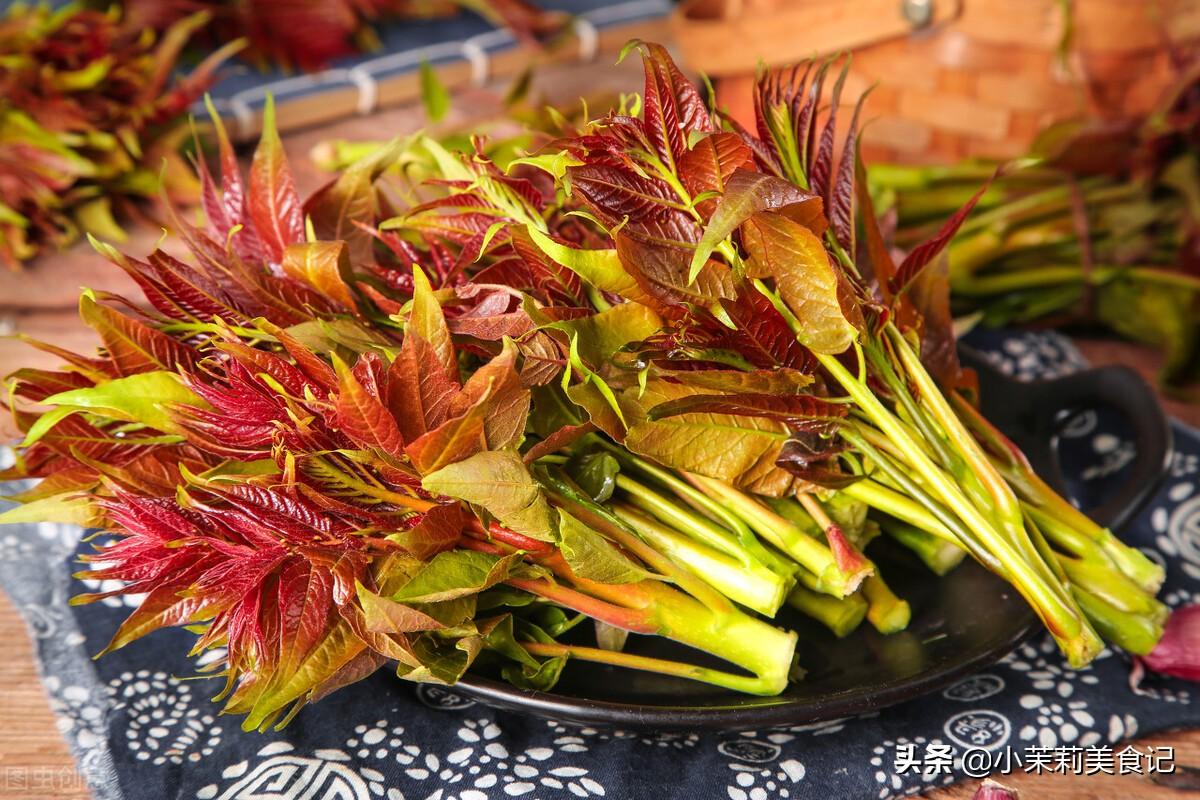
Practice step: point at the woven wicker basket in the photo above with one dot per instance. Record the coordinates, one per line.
(953, 78)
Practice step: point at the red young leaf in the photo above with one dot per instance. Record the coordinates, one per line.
(841, 195)
(453, 440)
(671, 106)
(418, 389)
(925, 252)
(363, 417)
(797, 411)
(273, 205)
(708, 165)
(132, 346)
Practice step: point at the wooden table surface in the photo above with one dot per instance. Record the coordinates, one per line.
(40, 302)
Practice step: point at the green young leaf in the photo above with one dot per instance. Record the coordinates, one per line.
(69, 507)
(592, 385)
(807, 282)
(552, 620)
(383, 615)
(498, 636)
(602, 334)
(442, 661)
(596, 473)
(434, 96)
(144, 398)
(739, 450)
(428, 322)
(542, 679)
(600, 268)
(591, 556)
(454, 574)
(500, 482)
(746, 194)
(555, 164)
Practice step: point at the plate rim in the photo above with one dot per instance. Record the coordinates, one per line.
(760, 713)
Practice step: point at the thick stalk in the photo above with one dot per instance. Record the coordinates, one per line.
(898, 474)
(1133, 633)
(759, 685)
(900, 506)
(1008, 458)
(886, 612)
(1057, 609)
(808, 552)
(680, 518)
(1007, 509)
(939, 555)
(755, 587)
(604, 521)
(842, 615)
(704, 504)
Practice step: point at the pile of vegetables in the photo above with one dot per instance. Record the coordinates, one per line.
(309, 35)
(661, 376)
(1100, 226)
(87, 113)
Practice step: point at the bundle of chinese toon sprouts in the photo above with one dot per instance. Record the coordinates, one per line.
(660, 374)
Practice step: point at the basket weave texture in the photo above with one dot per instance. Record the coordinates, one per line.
(982, 78)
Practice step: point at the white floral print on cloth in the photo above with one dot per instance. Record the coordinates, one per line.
(142, 731)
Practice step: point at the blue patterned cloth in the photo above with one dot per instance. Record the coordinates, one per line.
(138, 732)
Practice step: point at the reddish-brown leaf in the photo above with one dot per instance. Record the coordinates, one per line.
(362, 415)
(925, 252)
(708, 165)
(132, 346)
(797, 411)
(453, 440)
(439, 529)
(273, 204)
(418, 389)
(671, 106)
(325, 266)
(508, 407)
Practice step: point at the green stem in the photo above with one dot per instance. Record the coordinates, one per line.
(842, 615)
(939, 555)
(1133, 633)
(671, 513)
(1102, 581)
(702, 503)
(902, 507)
(1048, 504)
(808, 552)
(1056, 274)
(886, 612)
(563, 494)
(895, 472)
(766, 684)
(754, 586)
(1060, 614)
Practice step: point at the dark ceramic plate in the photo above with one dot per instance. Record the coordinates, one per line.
(960, 623)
